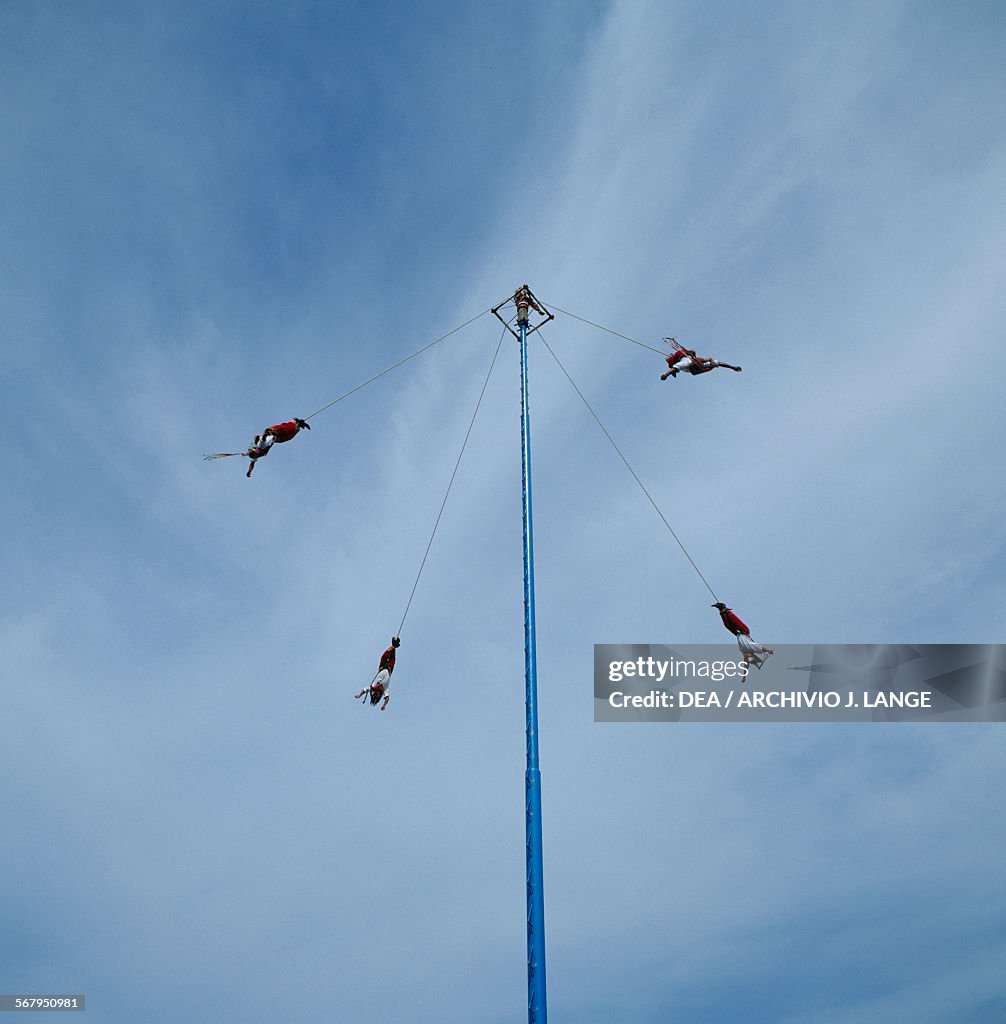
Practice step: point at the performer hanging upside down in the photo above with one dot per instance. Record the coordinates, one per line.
(684, 360)
(381, 682)
(754, 653)
(276, 434)
(263, 442)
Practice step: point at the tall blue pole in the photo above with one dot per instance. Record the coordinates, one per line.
(537, 1009)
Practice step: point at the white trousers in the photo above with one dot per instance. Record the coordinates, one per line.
(749, 646)
(685, 364)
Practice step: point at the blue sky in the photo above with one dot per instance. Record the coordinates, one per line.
(221, 217)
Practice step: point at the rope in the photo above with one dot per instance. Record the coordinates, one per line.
(396, 365)
(600, 327)
(451, 484)
(627, 466)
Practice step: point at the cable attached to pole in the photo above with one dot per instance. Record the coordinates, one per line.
(627, 466)
(453, 475)
(601, 327)
(396, 365)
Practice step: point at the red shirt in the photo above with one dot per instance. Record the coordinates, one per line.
(523, 298)
(733, 623)
(388, 661)
(284, 431)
